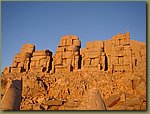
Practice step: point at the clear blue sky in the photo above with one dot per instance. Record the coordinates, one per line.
(44, 23)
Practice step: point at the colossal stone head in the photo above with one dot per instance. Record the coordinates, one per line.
(27, 48)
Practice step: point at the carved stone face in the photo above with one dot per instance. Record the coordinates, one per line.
(27, 48)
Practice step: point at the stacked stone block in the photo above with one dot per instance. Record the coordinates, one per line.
(41, 61)
(93, 56)
(67, 56)
(21, 61)
(121, 55)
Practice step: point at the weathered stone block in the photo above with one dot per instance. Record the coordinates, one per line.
(38, 57)
(17, 70)
(60, 49)
(54, 102)
(112, 100)
(72, 48)
(42, 53)
(67, 54)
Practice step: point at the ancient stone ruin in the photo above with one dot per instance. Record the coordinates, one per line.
(67, 56)
(105, 75)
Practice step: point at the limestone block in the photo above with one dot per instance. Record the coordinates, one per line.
(94, 55)
(60, 68)
(42, 53)
(67, 54)
(72, 48)
(60, 49)
(36, 58)
(54, 102)
(37, 69)
(94, 49)
(112, 100)
(17, 70)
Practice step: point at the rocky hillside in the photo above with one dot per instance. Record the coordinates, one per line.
(105, 75)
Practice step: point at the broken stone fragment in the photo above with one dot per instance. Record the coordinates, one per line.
(41, 100)
(92, 101)
(112, 100)
(12, 97)
(54, 102)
